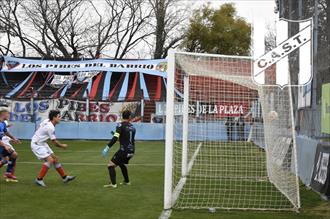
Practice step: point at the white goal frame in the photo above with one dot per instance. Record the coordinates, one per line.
(171, 194)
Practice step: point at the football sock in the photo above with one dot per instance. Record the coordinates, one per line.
(60, 170)
(43, 171)
(11, 165)
(112, 173)
(124, 172)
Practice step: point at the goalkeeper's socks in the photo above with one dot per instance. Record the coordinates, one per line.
(60, 170)
(43, 171)
(112, 174)
(11, 165)
(124, 172)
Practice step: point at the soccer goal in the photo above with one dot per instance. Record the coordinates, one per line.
(229, 143)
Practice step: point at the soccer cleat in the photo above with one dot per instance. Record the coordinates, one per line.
(68, 179)
(125, 183)
(110, 186)
(9, 176)
(40, 183)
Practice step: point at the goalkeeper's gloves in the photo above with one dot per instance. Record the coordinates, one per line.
(105, 151)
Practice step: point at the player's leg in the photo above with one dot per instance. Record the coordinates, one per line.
(124, 171)
(112, 173)
(48, 161)
(115, 161)
(12, 158)
(11, 166)
(3, 161)
(61, 171)
(3, 157)
(11, 155)
(41, 152)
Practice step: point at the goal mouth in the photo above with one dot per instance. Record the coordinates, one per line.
(232, 144)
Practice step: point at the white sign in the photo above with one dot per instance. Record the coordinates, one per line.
(322, 167)
(62, 79)
(302, 41)
(83, 77)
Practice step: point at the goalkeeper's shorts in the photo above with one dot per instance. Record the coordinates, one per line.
(121, 157)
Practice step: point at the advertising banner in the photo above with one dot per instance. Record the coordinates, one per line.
(325, 112)
(321, 172)
(152, 67)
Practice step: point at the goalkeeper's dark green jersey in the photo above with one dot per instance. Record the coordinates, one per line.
(125, 132)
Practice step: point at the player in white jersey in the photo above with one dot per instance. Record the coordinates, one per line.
(41, 149)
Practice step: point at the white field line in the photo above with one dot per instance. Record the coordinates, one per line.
(93, 164)
(73, 151)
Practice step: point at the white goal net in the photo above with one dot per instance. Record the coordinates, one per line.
(229, 143)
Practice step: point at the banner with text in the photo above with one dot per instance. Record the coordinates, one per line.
(153, 67)
(227, 109)
(321, 172)
(71, 110)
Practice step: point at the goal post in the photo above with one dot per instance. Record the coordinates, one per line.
(169, 132)
(229, 143)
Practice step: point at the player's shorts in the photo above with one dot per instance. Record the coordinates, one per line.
(121, 157)
(41, 150)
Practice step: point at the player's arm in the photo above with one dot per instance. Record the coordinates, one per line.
(15, 140)
(59, 144)
(115, 136)
(52, 137)
(114, 139)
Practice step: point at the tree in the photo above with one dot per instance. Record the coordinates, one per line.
(168, 28)
(74, 28)
(218, 31)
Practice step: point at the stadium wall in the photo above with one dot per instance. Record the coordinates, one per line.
(145, 131)
(90, 130)
(306, 149)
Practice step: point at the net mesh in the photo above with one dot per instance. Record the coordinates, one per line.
(241, 151)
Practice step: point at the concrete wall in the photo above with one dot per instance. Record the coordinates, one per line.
(145, 131)
(306, 149)
(90, 130)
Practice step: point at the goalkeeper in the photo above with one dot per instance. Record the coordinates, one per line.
(125, 132)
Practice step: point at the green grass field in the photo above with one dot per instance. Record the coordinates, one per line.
(86, 198)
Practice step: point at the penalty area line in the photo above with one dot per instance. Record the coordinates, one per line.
(95, 164)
